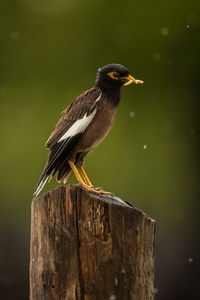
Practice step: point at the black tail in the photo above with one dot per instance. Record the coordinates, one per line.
(58, 162)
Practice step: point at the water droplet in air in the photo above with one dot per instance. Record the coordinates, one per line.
(165, 31)
(112, 297)
(155, 291)
(14, 35)
(145, 147)
(157, 56)
(190, 259)
(132, 114)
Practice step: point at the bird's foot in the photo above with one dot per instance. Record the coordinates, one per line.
(97, 190)
(87, 186)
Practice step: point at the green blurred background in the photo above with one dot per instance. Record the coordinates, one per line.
(49, 54)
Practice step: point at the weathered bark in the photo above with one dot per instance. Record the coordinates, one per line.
(85, 246)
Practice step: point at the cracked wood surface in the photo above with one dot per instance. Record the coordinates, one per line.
(91, 247)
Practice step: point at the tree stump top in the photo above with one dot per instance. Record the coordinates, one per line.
(89, 246)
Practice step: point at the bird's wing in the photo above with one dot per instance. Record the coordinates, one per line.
(76, 117)
(68, 131)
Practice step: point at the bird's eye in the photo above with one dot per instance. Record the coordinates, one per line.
(115, 74)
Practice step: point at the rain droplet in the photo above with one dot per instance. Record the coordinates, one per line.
(157, 56)
(116, 281)
(14, 35)
(145, 147)
(155, 291)
(112, 297)
(190, 259)
(165, 31)
(132, 114)
(188, 26)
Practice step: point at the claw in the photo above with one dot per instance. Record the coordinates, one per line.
(87, 184)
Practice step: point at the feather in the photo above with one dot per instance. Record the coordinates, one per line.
(67, 133)
(41, 183)
(79, 126)
(84, 104)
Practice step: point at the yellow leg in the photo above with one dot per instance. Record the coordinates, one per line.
(80, 180)
(88, 182)
(85, 177)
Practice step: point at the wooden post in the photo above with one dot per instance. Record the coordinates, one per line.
(89, 247)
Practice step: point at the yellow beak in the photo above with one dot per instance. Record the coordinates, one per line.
(130, 79)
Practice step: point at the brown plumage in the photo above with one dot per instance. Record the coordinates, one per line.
(83, 125)
(75, 111)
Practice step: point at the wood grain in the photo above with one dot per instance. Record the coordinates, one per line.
(91, 247)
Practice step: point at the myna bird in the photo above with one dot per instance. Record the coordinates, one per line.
(83, 125)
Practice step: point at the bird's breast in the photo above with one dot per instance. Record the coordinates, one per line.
(99, 127)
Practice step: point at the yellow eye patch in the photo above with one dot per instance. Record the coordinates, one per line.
(113, 75)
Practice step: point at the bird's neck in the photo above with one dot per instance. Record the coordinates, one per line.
(113, 94)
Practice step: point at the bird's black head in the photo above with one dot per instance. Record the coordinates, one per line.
(114, 76)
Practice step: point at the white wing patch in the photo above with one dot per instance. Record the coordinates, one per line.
(79, 126)
(98, 98)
